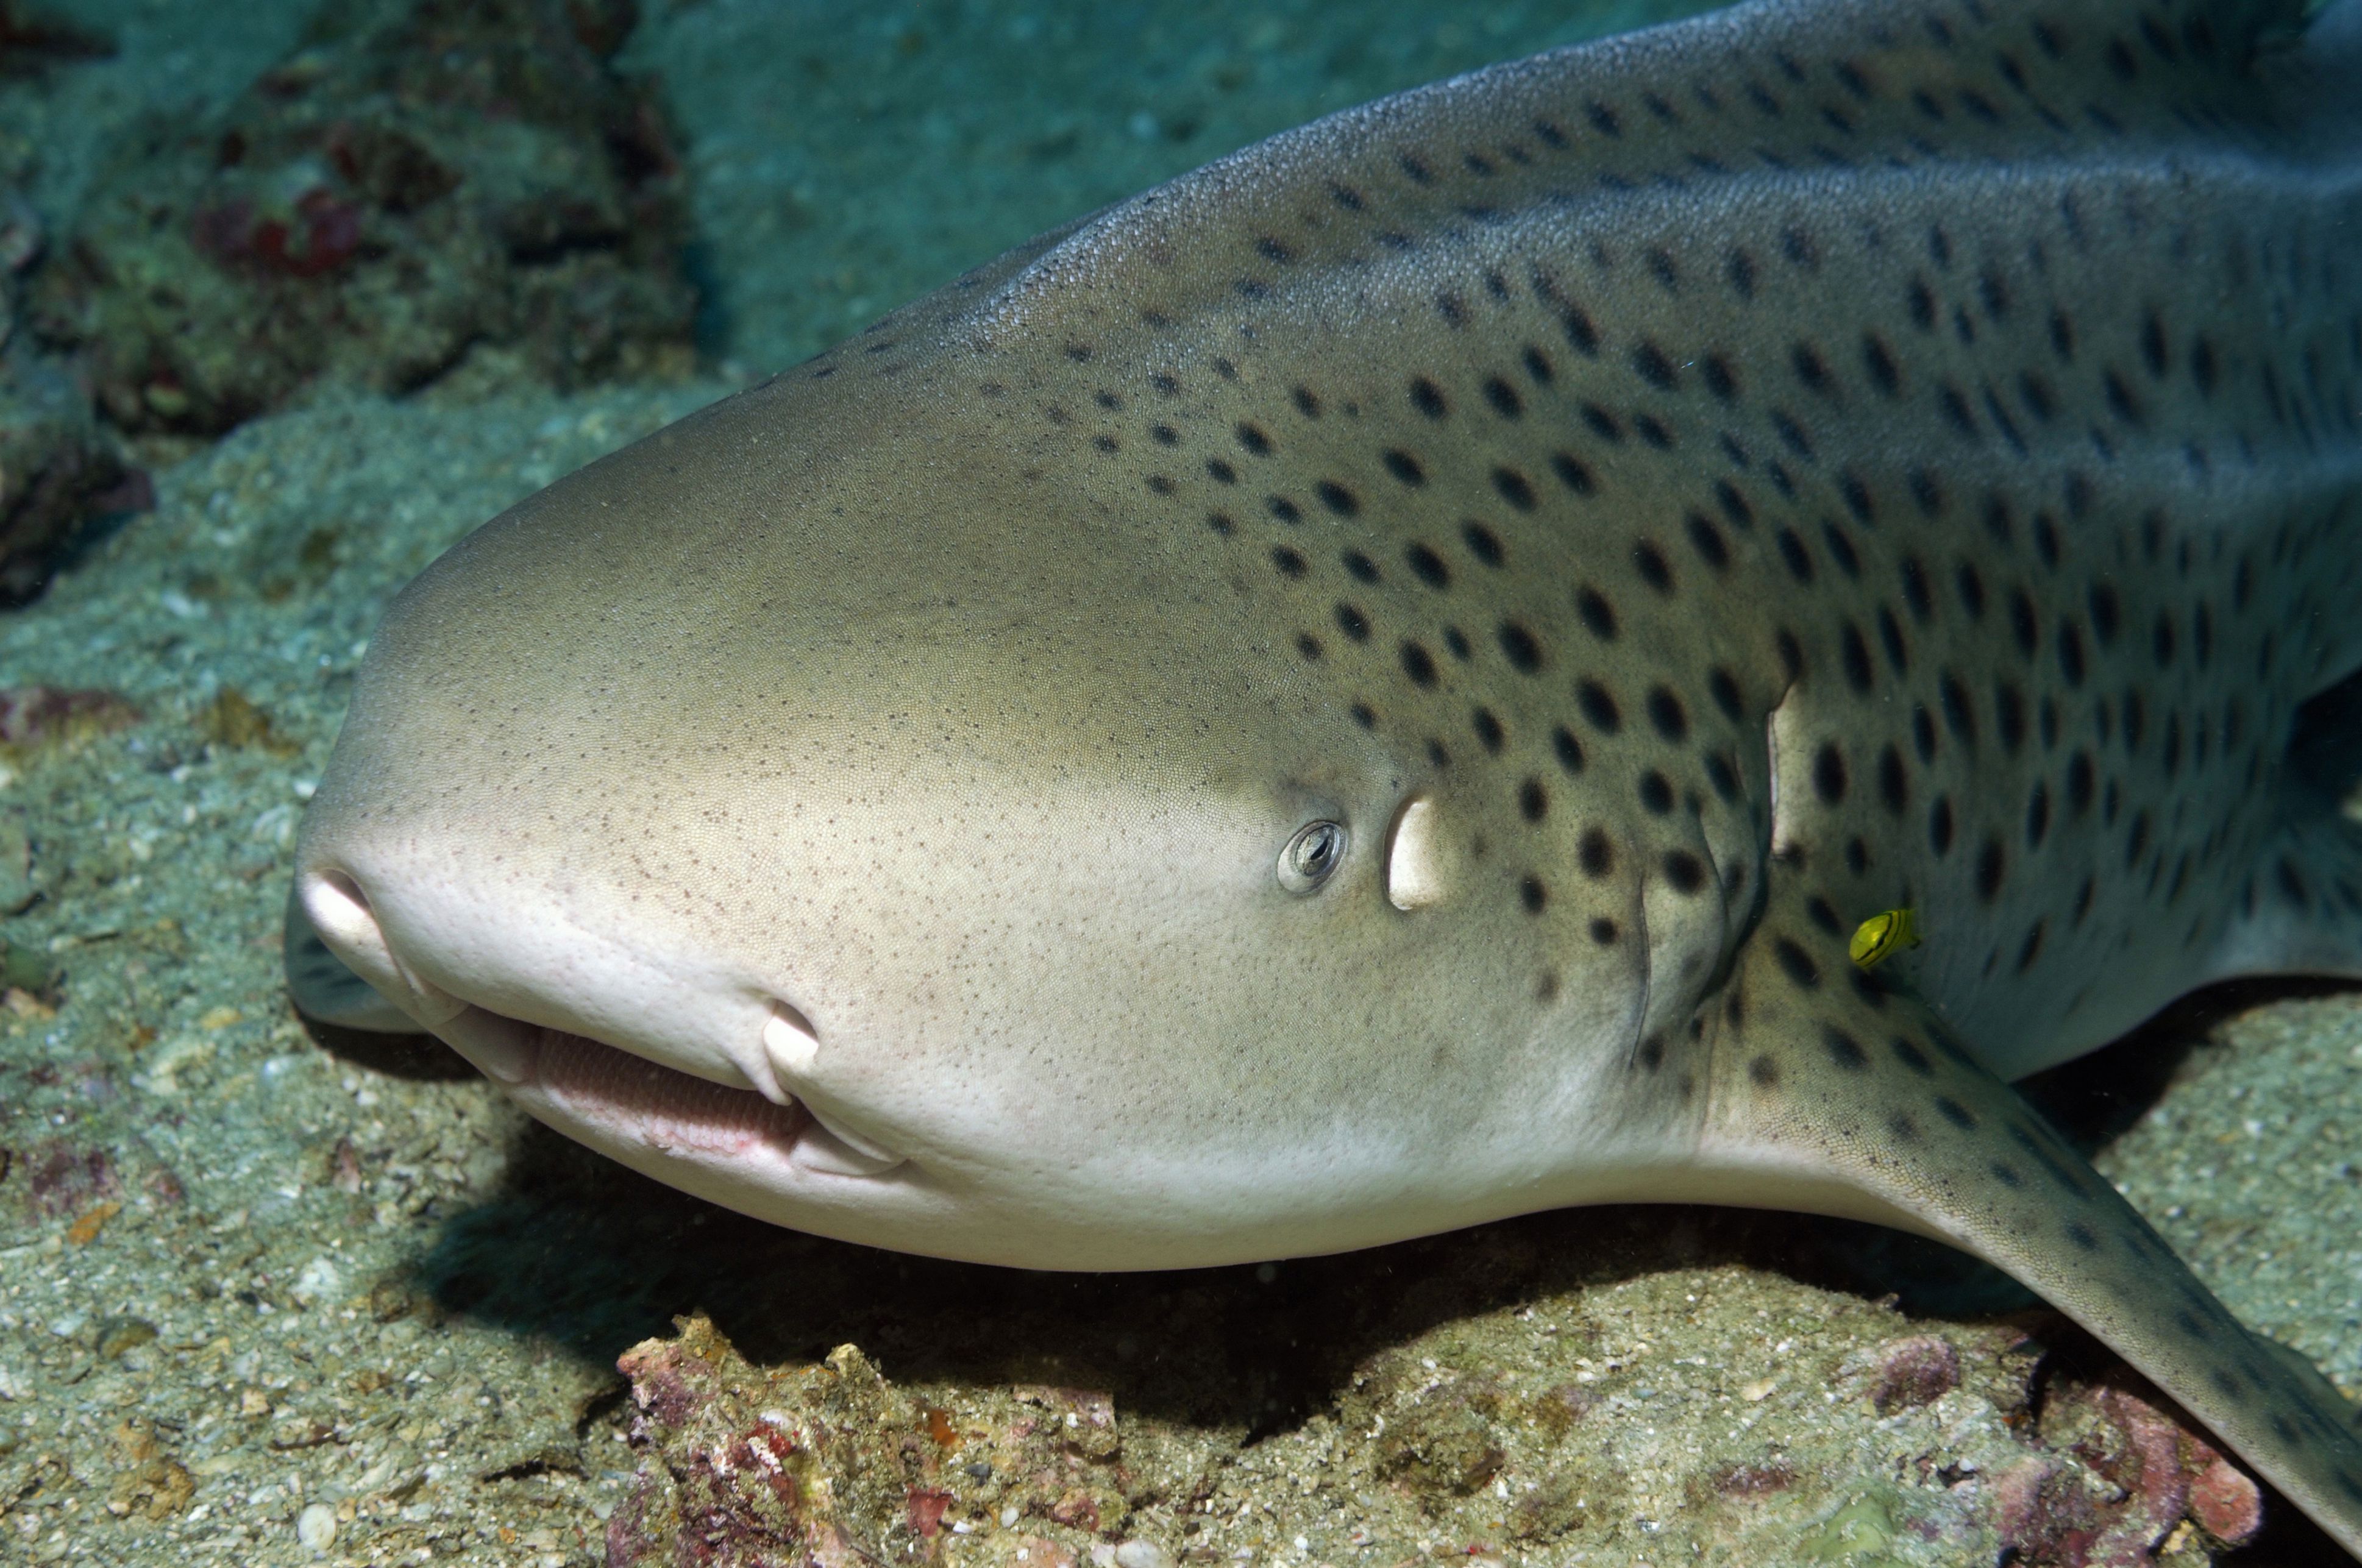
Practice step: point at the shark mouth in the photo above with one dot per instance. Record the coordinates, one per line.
(600, 1094)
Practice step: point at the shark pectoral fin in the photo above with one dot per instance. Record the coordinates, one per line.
(325, 989)
(1832, 1091)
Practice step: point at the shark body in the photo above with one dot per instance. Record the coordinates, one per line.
(1367, 688)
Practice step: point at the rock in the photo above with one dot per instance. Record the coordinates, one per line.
(33, 718)
(66, 1179)
(1527, 1390)
(419, 179)
(231, 719)
(57, 470)
(117, 1335)
(149, 1481)
(316, 1527)
(17, 889)
(2226, 1504)
(33, 38)
(1913, 1372)
(833, 1463)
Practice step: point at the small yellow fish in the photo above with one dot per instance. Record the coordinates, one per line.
(1877, 938)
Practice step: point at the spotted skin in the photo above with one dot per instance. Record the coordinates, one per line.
(1818, 459)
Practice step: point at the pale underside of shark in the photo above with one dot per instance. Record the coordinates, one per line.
(1366, 690)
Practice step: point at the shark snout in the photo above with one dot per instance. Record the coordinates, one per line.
(671, 1051)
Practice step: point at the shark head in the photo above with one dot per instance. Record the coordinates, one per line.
(844, 808)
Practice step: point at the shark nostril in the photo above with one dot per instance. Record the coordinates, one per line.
(791, 1040)
(339, 911)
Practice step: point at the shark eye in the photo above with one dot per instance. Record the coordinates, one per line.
(1311, 856)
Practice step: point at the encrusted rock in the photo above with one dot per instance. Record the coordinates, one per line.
(421, 178)
(57, 470)
(1912, 1371)
(832, 1464)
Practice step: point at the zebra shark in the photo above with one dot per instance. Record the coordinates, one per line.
(1367, 688)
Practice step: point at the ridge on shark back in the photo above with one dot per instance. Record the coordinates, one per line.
(1369, 688)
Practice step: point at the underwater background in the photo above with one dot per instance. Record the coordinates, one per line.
(294, 295)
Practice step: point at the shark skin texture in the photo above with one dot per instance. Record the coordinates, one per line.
(1368, 689)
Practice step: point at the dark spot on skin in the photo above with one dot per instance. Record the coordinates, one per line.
(1724, 690)
(1795, 963)
(1482, 543)
(1289, 562)
(1533, 800)
(1894, 781)
(1879, 362)
(1683, 871)
(1595, 853)
(1707, 541)
(1488, 729)
(1792, 553)
(1603, 932)
(1252, 438)
(1824, 916)
(1651, 1054)
(1598, 615)
(1911, 1056)
(1362, 568)
(1652, 367)
(1953, 1112)
(1763, 1072)
(1532, 894)
(1665, 713)
(1843, 1048)
(1741, 269)
(1503, 397)
(1654, 569)
(1353, 623)
(1598, 705)
(1574, 473)
(1221, 471)
(1854, 653)
(1656, 793)
(1989, 865)
(1829, 774)
(1337, 498)
(2082, 1236)
(1428, 567)
(1516, 488)
(1568, 749)
(1428, 398)
(1520, 646)
(1419, 664)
